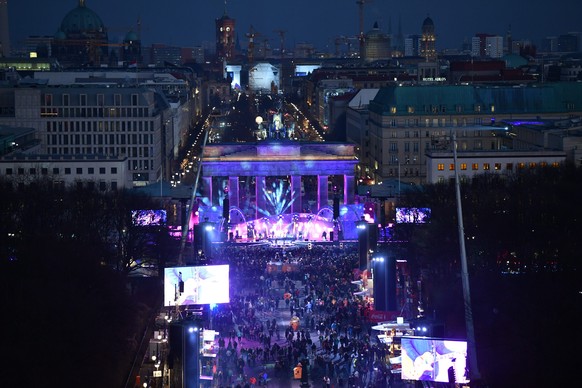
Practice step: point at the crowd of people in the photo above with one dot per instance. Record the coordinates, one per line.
(334, 344)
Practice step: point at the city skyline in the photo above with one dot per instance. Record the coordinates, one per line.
(190, 24)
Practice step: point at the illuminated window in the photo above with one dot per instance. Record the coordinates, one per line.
(452, 167)
(441, 167)
(520, 165)
(410, 109)
(492, 108)
(486, 166)
(463, 166)
(477, 108)
(543, 164)
(475, 166)
(497, 166)
(555, 164)
(392, 109)
(532, 164)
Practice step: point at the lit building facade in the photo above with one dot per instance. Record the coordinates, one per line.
(405, 122)
(132, 124)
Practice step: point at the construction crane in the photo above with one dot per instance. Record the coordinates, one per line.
(361, 36)
(252, 34)
(282, 37)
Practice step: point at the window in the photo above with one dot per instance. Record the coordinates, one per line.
(101, 170)
(486, 166)
(79, 170)
(463, 166)
(44, 171)
(452, 167)
(117, 99)
(134, 100)
(509, 166)
(497, 166)
(532, 164)
(113, 185)
(83, 99)
(100, 99)
(90, 170)
(410, 109)
(20, 171)
(441, 167)
(32, 171)
(67, 171)
(114, 170)
(102, 186)
(48, 99)
(393, 109)
(475, 166)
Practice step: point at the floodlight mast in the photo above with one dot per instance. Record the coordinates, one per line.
(186, 223)
(471, 346)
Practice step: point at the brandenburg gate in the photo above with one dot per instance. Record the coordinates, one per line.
(276, 158)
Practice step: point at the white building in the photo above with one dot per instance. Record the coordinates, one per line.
(494, 46)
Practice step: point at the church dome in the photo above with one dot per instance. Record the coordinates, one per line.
(82, 20)
(131, 37)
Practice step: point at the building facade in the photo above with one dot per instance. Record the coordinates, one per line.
(406, 122)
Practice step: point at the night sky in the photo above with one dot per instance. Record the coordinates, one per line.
(191, 22)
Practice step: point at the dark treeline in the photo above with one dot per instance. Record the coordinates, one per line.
(71, 318)
(523, 245)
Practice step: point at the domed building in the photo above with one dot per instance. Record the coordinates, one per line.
(377, 46)
(81, 38)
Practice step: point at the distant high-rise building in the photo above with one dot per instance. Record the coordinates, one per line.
(567, 43)
(412, 46)
(4, 30)
(494, 46)
(163, 54)
(428, 40)
(479, 45)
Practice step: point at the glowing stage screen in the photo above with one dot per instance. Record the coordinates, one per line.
(412, 215)
(209, 284)
(148, 217)
(434, 359)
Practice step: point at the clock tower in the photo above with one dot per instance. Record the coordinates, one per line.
(225, 37)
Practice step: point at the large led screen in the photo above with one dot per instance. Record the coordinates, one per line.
(412, 215)
(148, 217)
(429, 359)
(197, 285)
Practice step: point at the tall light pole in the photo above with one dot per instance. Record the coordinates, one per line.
(471, 346)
